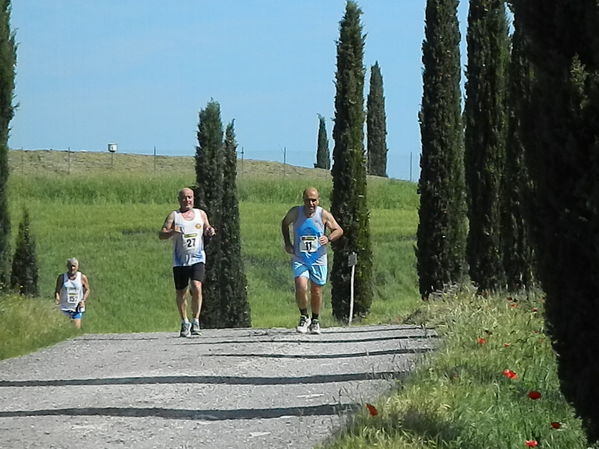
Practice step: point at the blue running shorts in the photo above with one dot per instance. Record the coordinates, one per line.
(316, 273)
(73, 314)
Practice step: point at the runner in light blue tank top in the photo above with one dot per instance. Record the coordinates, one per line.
(309, 249)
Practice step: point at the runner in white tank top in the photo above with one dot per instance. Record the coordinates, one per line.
(188, 226)
(71, 292)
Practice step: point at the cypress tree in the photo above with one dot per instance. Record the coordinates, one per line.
(323, 157)
(376, 124)
(442, 228)
(8, 56)
(208, 193)
(24, 274)
(562, 148)
(232, 280)
(485, 132)
(348, 197)
(518, 257)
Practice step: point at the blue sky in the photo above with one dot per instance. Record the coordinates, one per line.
(137, 73)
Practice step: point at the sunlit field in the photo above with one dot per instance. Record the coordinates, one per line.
(109, 220)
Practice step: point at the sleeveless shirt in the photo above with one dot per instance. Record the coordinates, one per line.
(188, 246)
(71, 293)
(306, 230)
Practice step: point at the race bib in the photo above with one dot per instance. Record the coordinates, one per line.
(309, 243)
(191, 242)
(72, 296)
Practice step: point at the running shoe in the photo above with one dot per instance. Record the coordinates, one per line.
(195, 328)
(185, 330)
(314, 327)
(304, 322)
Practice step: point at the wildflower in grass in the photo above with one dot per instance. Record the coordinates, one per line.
(513, 305)
(372, 409)
(556, 425)
(507, 345)
(534, 395)
(510, 374)
(481, 341)
(532, 443)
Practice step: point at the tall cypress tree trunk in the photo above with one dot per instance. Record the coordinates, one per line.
(8, 56)
(441, 250)
(348, 202)
(518, 259)
(376, 124)
(562, 148)
(232, 280)
(209, 188)
(485, 133)
(323, 157)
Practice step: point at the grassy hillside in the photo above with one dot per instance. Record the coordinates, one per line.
(107, 213)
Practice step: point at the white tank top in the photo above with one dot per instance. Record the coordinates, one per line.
(71, 293)
(189, 244)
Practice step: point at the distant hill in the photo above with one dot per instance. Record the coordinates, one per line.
(40, 162)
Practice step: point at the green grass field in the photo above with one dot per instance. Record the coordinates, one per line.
(109, 220)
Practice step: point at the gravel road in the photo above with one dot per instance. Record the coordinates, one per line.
(228, 388)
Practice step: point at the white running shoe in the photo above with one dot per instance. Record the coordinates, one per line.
(185, 330)
(303, 325)
(314, 327)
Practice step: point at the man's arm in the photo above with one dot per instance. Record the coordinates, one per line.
(168, 229)
(86, 289)
(335, 230)
(285, 223)
(209, 231)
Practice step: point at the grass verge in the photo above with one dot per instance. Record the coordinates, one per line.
(492, 384)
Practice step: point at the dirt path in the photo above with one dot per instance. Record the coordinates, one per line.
(228, 388)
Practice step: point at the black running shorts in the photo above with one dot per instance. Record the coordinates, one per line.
(182, 275)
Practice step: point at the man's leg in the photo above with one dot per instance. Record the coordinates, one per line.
(196, 299)
(301, 292)
(301, 299)
(315, 298)
(181, 303)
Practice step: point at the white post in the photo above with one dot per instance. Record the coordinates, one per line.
(352, 260)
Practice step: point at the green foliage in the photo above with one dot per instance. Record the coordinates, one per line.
(459, 396)
(24, 273)
(232, 280)
(19, 313)
(8, 56)
(485, 132)
(209, 192)
(442, 229)
(562, 143)
(376, 124)
(348, 199)
(323, 157)
(518, 257)
(129, 268)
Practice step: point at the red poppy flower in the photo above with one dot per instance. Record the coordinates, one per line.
(372, 410)
(532, 443)
(534, 395)
(556, 425)
(481, 341)
(509, 374)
